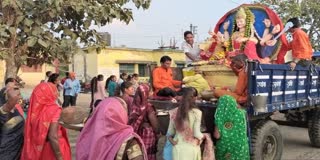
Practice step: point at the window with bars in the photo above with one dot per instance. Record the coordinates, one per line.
(126, 68)
(143, 70)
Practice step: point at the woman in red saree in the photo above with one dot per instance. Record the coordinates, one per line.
(144, 121)
(45, 138)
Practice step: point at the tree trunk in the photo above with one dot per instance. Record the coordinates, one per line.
(85, 66)
(11, 67)
(72, 62)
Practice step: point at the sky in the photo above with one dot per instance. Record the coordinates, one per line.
(168, 19)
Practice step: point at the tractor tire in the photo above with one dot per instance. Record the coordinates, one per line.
(266, 141)
(314, 128)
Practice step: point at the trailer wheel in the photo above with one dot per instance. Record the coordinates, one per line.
(314, 128)
(266, 141)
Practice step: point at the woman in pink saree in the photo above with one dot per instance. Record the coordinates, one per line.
(106, 135)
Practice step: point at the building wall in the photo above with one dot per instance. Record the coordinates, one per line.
(33, 78)
(30, 78)
(84, 63)
(2, 72)
(108, 61)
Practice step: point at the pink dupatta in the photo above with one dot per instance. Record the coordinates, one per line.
(104, 133)
(140, 106)
(187, 133)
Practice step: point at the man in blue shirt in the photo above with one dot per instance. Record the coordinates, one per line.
(72, 89)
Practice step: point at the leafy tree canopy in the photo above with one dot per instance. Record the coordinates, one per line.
(38, 31)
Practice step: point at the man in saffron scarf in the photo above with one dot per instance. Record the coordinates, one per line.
(241, 91)
(45, 138)
(106, 135)
(144, 121)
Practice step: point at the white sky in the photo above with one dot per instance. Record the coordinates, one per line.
(167, 19)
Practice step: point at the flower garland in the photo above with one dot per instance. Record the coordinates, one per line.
(229, 44)
(248, 30)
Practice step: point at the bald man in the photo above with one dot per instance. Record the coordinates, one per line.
(11, 126)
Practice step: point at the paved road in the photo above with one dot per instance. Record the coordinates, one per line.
(296, 141)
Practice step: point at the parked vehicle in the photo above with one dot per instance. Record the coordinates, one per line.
(85, 87)
(272, 88)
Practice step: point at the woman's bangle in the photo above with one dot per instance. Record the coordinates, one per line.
(3, 111)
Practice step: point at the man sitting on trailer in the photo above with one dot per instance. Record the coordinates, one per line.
(238, 65)
(162, 76)
(300, 45)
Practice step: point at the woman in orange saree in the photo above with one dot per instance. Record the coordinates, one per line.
(45, 138)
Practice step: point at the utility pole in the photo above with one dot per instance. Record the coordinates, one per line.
(194, 30)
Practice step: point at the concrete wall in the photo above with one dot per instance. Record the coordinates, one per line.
(2, 72)
(84, 64)
(34, 78)
(110, 58)
(30, 78)
(107, 61)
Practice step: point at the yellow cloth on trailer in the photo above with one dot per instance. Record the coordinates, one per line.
(196, 81)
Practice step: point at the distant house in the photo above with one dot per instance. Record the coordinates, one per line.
(113, 61)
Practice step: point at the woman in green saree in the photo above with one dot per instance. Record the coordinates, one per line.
(231, 130)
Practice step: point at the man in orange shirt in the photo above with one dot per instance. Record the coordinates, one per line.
(162, 76)
(300, 45)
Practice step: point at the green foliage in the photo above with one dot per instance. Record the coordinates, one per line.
(37, 31)
(307, 10)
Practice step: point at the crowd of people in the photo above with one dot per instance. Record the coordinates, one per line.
(37, 135)
(123, 124)
(124, 87)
